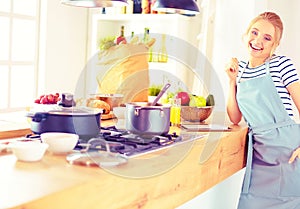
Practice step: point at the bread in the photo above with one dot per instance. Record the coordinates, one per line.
(96, 103)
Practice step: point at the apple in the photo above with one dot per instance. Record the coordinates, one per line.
(184, 96)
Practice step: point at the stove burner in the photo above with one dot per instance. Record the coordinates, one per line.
(32, 136)
(122, 142)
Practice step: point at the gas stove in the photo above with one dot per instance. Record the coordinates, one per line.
(127, 144)
(119, 141)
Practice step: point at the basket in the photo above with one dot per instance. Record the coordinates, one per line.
(195, 114)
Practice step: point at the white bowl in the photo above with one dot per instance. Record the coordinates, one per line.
(28, 151)
(60, 142)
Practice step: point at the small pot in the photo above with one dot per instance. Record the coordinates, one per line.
(144, 119)
(84, 122)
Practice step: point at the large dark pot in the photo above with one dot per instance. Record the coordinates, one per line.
(82, 121)
(144, 119)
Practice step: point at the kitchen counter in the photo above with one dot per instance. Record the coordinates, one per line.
(13, 125)
(163, 179)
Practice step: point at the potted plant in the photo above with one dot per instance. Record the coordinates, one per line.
(153, 91)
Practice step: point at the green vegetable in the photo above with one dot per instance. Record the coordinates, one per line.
(107, 42)
(154, 90)
(210, 101)
(197, 101)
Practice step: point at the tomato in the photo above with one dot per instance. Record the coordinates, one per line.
(44, 100)
(50, 99)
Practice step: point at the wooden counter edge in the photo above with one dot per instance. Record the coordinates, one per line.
(168, 190)
(7, 134)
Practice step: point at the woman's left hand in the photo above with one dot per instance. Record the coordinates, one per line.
(295, 154)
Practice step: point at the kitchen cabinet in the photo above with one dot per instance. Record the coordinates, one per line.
(181, 36)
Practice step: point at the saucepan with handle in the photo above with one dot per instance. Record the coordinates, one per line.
(146, 118)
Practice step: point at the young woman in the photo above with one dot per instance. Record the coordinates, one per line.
(261, 91)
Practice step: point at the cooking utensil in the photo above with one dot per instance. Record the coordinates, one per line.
(143, 118)
(101, 159)
(164, 89)
(82, 121)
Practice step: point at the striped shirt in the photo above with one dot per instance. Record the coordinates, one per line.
(283, 73)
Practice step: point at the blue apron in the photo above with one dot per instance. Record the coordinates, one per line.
(269, 181)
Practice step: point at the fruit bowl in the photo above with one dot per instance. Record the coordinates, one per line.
(196, 114)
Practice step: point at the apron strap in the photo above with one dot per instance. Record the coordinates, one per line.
(272, 126)
(247, 177)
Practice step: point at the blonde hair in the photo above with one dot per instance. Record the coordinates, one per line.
(274, 19)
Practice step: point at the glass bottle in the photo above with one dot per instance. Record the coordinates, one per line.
(162, 54)
(175, 116)
(121, 38)
(146, 40)
(146, 6)
(146, 35)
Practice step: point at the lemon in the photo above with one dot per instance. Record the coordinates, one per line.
(197, 101)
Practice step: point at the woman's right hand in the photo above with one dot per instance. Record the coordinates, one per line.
(234, 113)
(232, 69)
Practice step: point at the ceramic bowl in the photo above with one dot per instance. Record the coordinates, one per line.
(60, 142)
(28, 151)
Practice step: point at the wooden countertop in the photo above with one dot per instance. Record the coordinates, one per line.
(13, 125)
(165, 179)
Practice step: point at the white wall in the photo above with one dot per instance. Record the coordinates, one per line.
(231, 17)
(289, 13)
(63, 50)
(231, 20)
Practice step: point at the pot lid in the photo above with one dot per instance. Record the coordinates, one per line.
(147, 105)
(76, 111)
(102, 159)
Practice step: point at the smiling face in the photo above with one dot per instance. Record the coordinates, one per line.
(260, 42)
